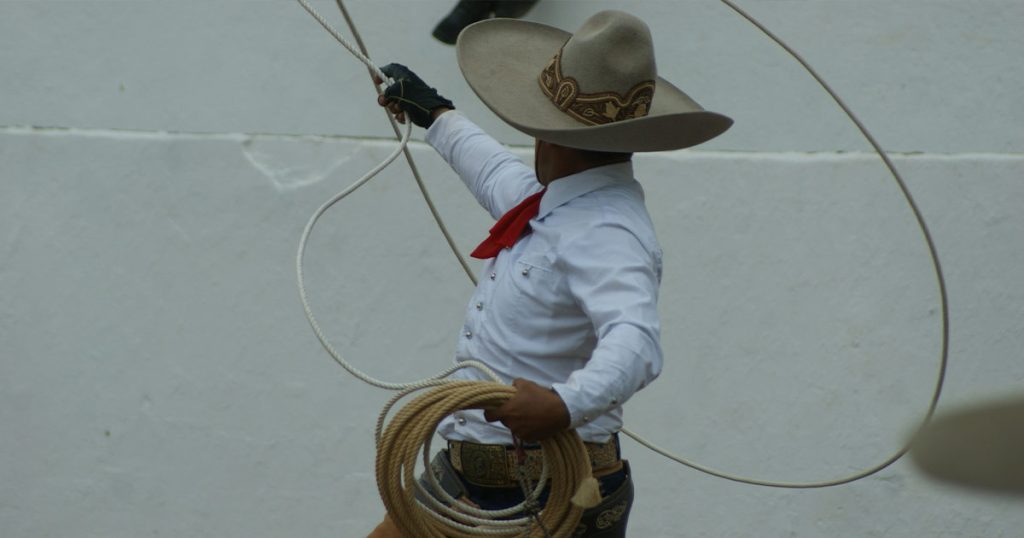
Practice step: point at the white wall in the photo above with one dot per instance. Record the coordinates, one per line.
(158, 161)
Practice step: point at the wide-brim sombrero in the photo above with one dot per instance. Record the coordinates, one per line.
(502, 60)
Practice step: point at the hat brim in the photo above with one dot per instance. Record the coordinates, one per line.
(502, 59)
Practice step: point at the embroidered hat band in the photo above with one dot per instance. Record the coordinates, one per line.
(594, 108)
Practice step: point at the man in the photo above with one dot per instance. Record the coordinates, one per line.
(566, 309)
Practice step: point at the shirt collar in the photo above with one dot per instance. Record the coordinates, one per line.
(565, 189)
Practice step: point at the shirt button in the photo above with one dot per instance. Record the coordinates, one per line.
(586, 419)
(461, 421)
(494, 275)
(479, 306)
(468, 334)
(615, 402)
(526, 271)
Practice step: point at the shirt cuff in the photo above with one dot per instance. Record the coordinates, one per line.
(437, 133)
(611, 377)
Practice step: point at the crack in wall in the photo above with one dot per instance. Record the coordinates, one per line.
(291, 163)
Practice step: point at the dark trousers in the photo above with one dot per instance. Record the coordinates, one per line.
(606, 520)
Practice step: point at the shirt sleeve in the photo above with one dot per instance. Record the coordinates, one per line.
(497, 178)
(615, 280)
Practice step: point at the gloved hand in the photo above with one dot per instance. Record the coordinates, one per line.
(412, 96)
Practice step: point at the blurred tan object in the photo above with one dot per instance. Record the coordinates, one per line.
(981, 446)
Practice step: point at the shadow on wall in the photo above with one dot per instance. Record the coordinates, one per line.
(980, 447)
(467, 12)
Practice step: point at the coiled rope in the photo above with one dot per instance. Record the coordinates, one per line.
(572, 488)
(400, 452)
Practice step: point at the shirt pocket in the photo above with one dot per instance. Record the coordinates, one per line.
(534, 285)
(544, 315)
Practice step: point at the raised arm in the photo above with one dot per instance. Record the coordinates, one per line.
(497, 178)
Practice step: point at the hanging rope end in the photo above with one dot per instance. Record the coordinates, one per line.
(588, 495)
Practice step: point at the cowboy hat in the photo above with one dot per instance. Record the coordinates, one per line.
(596, 89)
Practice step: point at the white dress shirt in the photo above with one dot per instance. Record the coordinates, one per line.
(573, 305)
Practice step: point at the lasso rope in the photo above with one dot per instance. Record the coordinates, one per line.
(308, 230)
(402, 454)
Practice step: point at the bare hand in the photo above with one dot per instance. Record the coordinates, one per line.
(533, 413)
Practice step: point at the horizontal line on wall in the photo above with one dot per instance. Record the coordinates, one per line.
(142, 135)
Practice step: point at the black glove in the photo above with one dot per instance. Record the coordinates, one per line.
(418, 100)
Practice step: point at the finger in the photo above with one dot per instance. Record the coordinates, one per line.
(382, 101)
(500, 413)
(522, 431)
(397, 112)
(526, 436)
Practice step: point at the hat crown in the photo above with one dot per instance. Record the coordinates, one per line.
(611, 52)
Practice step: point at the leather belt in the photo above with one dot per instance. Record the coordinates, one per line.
(496, 465)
